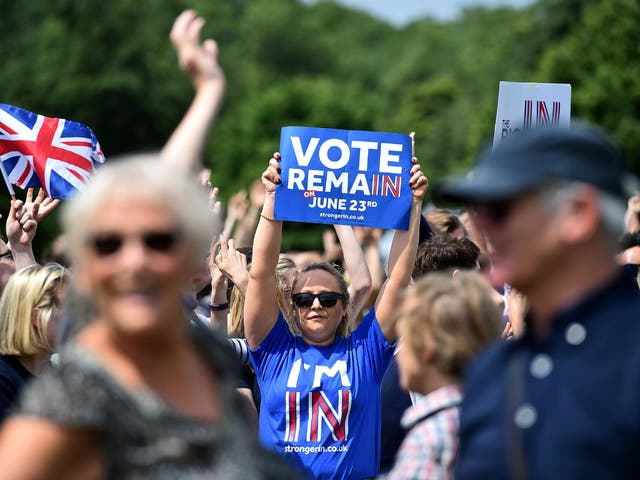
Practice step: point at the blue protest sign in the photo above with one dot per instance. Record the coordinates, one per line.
(346, 177)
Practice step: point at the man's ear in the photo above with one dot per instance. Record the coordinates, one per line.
(582, 218)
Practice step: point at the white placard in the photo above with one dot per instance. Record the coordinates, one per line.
(529, 105)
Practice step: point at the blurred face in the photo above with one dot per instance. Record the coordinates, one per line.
(523, 233)
(411, 364)
(52, 327)
(135, 264)
(7, 265)
(317, 307)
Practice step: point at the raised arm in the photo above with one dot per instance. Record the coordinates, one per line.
(247, 227)
(261, 302)
(356, 267)
(236, 210)
(233, 264)
(21, 230)
(186, 144)
(369, 239)
(219, 307)
(22, 223)
(403, 249)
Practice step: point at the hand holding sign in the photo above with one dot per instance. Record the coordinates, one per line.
(419, 182)
(271, 176)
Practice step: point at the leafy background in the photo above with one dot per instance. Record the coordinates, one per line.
(110, 65)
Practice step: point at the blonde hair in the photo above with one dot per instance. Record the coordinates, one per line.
(286, 267)
(444, 222)
(32, 287)
(459, 314)
(235, 323)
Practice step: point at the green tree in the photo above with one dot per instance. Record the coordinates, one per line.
(603, 66)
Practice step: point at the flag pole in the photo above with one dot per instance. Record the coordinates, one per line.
(7, 182)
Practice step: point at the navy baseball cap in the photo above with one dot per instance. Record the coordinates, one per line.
(536, 157)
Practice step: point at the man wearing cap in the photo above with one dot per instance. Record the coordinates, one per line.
(564, 400)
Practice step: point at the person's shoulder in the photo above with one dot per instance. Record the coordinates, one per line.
(496, 351)
(368, 330)
(77, 391)
(619, 302)
(12, 369)
(490, 361)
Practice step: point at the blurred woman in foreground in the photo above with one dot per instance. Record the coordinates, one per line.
(140, 393)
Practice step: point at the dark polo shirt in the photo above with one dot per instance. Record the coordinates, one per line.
(565, 407)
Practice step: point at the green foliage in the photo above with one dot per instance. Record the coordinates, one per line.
(603, 66)
(111, 66)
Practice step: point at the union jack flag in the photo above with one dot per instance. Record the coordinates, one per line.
(55, 154)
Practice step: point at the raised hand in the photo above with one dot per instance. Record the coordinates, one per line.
(238, 205)
(21, 223)
(21, 229)
(418, 181)
(45, 204)
(332, 250)
(187, 142)
(367, 235)
(217, 277)
(200, 60)
(271, 176)
(256, 194)
(232, 263)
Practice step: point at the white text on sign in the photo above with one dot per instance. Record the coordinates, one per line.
(327, 181)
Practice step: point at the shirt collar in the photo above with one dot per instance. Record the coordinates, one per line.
(444, 397)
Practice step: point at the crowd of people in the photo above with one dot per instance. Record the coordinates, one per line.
(163, 336)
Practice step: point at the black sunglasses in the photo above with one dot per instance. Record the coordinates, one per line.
(157, 241)
(326, 299)
(496, 211)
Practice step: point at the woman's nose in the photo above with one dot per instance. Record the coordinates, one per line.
(133, 254)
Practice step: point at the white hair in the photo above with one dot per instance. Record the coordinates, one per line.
(142, 179)
(612, 209)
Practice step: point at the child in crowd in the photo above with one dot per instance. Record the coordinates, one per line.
(444, 322)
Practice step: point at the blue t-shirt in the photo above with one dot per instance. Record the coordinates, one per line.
(320, 406)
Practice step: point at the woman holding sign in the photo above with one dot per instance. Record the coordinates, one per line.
(321, 390)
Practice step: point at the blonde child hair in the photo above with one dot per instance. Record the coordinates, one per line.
(459, 314)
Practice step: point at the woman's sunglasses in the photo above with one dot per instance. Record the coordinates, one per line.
(326, 299)
(158, 241)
